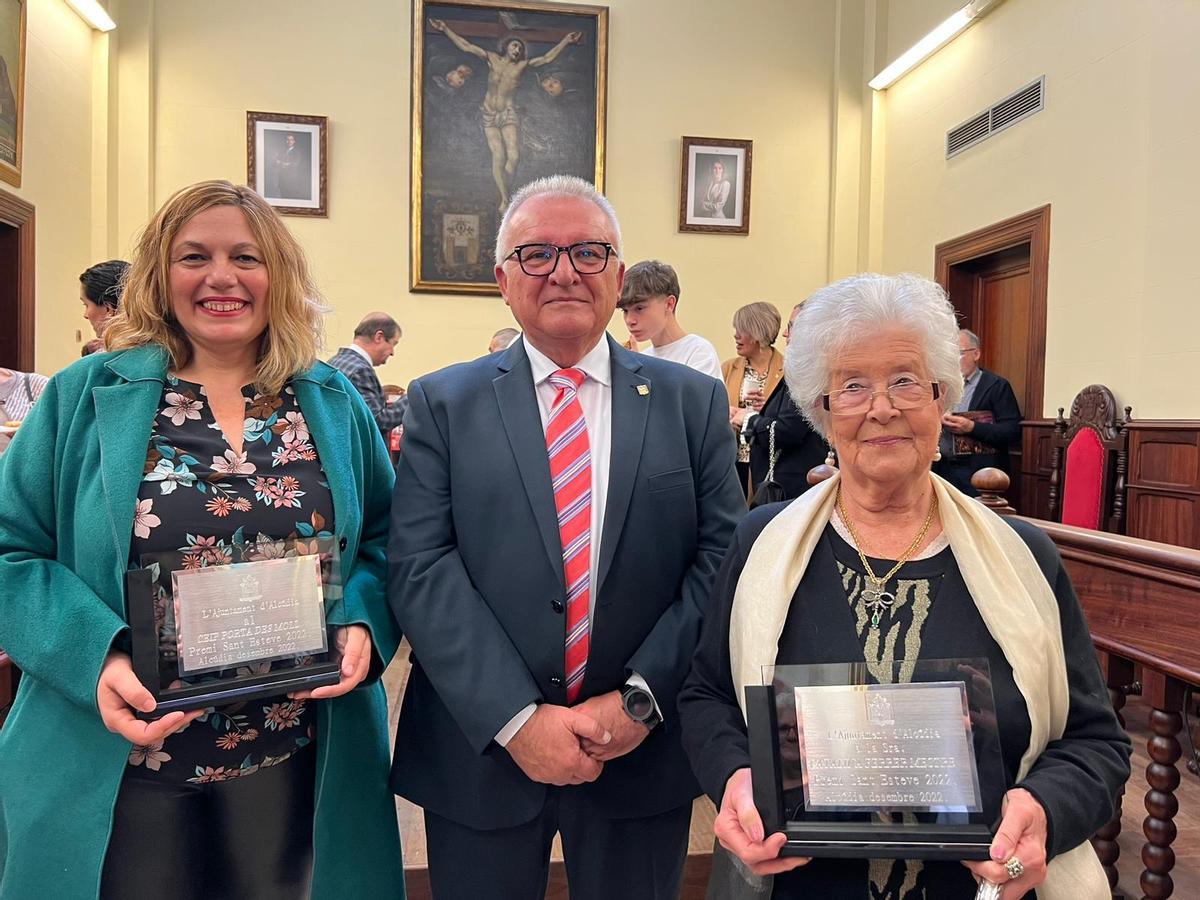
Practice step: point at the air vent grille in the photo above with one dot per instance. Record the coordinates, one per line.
(1012, 109)
(968, 133)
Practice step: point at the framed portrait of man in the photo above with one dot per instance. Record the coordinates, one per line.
(12, 88)
(287, 160)
(503, 93)
(714, 191)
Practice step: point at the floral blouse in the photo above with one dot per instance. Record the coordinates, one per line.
(198, 497)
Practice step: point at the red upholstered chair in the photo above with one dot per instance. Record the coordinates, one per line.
(1088, 461)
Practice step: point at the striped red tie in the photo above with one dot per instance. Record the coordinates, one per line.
(571, 476)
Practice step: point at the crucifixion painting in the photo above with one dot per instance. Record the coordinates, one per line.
(502, 94)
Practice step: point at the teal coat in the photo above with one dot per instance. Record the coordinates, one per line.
(68, 487)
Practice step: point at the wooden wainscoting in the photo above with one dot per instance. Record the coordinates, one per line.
(1034, 500)
(1163, 502)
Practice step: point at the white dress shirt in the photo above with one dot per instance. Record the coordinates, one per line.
(361, 352)
(595, 398)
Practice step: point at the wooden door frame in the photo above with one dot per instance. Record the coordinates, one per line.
(1032, 228)
(20, 215)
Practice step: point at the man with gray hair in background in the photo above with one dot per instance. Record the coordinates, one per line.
(984, 424)
(561, 509)
(503, 339)
(375, 341)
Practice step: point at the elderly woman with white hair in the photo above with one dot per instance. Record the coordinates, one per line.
(886, 563)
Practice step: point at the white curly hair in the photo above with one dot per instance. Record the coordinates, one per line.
(843, 313)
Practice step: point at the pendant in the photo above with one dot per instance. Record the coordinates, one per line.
(876, 600)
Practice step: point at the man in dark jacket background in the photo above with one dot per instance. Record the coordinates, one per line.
(987, 417)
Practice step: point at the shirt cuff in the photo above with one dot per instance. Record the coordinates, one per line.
(636, 680)
(746, 422)
(509, 731)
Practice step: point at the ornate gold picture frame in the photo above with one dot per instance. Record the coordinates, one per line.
(12, 88)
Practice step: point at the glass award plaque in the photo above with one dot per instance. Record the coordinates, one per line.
(233, 622)
(848, 767)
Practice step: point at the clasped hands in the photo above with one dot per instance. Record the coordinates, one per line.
(119, 692)
(1021, 834)
(570, 744)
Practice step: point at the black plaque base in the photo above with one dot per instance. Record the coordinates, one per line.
(855, 840)
(256, 688)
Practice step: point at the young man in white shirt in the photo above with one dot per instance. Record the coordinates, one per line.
(649, 298)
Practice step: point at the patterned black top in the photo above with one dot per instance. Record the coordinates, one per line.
(198, 497)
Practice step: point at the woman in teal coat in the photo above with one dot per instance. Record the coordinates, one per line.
(280, 797)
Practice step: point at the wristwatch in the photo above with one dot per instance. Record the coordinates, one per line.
(639, 706)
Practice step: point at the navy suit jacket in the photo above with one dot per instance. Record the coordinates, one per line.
(476, 577)
(995, 395)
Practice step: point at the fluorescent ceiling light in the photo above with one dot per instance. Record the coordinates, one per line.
(93, 13)
(928, 45)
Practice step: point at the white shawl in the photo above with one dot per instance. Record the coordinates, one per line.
(1015, 602)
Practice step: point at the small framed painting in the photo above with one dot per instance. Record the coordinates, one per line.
(714, 191)
(287, 161)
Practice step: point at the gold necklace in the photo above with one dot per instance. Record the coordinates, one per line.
(875, 598)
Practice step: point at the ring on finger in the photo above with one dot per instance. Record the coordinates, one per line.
(1014, 867)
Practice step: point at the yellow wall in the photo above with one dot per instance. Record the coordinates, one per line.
(1114, 153)
(767, 77)
(57, 173)
(843, 179)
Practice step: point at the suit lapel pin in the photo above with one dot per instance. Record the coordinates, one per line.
(643, 390)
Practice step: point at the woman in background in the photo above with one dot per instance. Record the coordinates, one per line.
(100, 294)
(751, 376)
(779, 427)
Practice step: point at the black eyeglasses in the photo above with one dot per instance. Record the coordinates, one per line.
(587, 257)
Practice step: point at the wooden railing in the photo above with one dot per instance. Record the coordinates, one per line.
(1141, 599)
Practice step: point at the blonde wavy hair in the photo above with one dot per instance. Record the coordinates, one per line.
(294, 308)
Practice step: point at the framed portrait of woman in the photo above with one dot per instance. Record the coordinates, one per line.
(714, 191)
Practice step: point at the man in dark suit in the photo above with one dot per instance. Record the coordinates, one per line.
(561, 510)
(984, 392)
(797, 447)
(375, 341)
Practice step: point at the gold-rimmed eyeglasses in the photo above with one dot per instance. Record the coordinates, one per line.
(902, 395)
